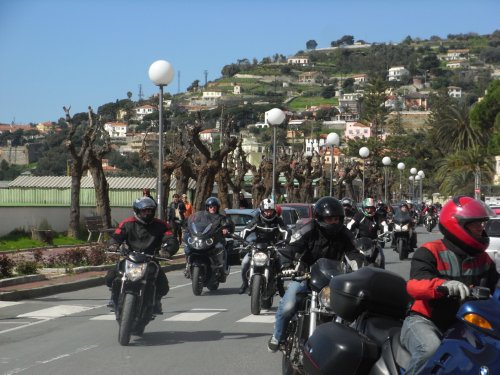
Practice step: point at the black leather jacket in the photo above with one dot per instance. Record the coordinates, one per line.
(268, 232)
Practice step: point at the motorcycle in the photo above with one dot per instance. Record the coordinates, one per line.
(402, 233)
(372, 248)
(205, 262)
(469, 346)
(313, 310)
(136, 291)
(430, 222)
(262, 278)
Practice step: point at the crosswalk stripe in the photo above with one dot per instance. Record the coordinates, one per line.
(264, 317)
(190, 317)
(9, 303)
(110, 316)
(55, 312)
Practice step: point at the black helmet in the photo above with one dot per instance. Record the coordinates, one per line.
(212, 201)
(347, 202)
(327, 207)
(141, 205)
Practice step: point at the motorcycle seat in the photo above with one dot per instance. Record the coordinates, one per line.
(399, 352)
(376, 327)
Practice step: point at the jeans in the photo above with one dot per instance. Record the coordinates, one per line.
(245, 267)
(288, 307)
(421, 338)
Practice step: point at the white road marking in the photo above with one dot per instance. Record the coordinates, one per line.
(190, 317)
(55, 312)
(264, 317)
(9, 303)
(111, 316)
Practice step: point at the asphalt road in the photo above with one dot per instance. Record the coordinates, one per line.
(74, 333)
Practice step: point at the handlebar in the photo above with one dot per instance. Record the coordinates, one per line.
(476, 292)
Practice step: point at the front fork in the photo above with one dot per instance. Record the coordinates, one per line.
(314, 312)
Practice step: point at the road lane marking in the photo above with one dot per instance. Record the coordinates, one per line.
(264, 317)
(9, 303)
(111, 316)
(55, 312)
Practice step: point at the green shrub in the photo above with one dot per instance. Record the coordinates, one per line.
(27, 268)
(6, 266)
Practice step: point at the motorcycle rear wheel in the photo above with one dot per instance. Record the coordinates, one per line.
(127, 319)
(257, 284)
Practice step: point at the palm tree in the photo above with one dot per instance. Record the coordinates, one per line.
(454, 126)
(457, 171)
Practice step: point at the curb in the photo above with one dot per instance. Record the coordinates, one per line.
(48, 290)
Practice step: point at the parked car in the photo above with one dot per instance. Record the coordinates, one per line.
(240, 217)
(305, 210)
(492, 228)
(495, 208)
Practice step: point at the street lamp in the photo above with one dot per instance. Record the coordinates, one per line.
(413, 171)
(332, 140)
(422, 175)
(274, 117)
(161, 74)
(411, 186)
(386, 160)
(401, 167)
(418, 180)
(364, 152)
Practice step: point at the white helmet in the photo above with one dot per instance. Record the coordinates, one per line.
(267, 205)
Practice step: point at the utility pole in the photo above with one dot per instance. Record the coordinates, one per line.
(141, 95)
(206, 77)
(178, 81)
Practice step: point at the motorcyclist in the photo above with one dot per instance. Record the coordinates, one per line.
(404, 207)
(143, 233)
(323, 237)
(223, 226)
(381, 211)
(367, 224)
(456, 262)
(269, 228)
(349, 210)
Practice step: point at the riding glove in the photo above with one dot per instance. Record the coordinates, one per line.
(457, 289)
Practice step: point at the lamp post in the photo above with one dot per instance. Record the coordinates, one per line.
(422, 175)
(332, 140)
(386, 160)
(410, 187)
(364, 152)
(161, 74)
(401, 167)
(274, 117)
(413, 171)
(418, 180)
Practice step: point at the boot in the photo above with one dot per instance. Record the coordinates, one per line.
(243, 288)
(187, 272)
(158, 310)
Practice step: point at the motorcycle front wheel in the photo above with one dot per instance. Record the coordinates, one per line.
(287, 367)
(402, 249)
(257, 284)
(197, 280)
(127, 319)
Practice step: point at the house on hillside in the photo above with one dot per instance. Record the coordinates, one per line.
(455, 91)
(298, 60)
(209, 135)
(398, 73)
(457, 54)
(457, 64)
(116, 129)
(308, 77)
(45, 127)
(143, 110)
(354, 130)
(416, 101)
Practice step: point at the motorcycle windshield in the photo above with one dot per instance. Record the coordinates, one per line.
(322, 272)
(401, 218)
(200, 225)
(363, 244)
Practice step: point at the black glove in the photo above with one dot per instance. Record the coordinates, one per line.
(170, 245)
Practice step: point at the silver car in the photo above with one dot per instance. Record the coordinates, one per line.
(492, 228)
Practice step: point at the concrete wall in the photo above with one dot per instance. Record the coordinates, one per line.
(57, 217)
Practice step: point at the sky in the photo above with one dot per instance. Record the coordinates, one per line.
(81, 53)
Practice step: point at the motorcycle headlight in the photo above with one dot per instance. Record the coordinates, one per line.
(134, 271)
(209, 241)
(260, 259)
(397, 227)
(405, 228)
(324, 297)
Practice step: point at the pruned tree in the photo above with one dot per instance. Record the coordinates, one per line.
(237, 167)
(99, 146)
(207, 163)
(306, 172)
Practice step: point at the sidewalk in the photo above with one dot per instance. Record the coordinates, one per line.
(34, 286)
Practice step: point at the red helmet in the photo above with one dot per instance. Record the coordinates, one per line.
(455, 215)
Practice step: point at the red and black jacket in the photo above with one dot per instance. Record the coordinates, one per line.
(141, 237)
(436, 262)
